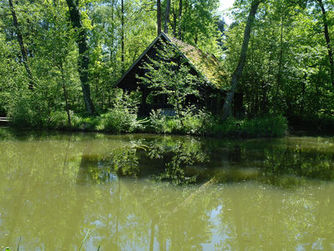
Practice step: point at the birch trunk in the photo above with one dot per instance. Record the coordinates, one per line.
(237, 74)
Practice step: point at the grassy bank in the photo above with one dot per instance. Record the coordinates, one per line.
(124, 120)
(321, 124)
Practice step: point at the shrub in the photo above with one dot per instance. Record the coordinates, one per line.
(59, 120)
(267, 126)
(118, 120)
(29, 111)
(323, 123)
(158, 122)
(198, 123)
(174, 125)
(87, 124)
(190, 122)
(123, 116)
(228, 127)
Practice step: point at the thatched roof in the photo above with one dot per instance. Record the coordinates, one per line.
(206, 65)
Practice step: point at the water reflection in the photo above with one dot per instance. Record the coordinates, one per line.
(63, 192)
(186, 160)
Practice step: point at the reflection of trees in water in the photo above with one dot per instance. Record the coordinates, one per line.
(281, 162)
(179, 158)
(39, 184)
(119, 161)
(275, 220)
(185, 160)
(34, 177)
(164, 158)
(170, 221)
(298, 162)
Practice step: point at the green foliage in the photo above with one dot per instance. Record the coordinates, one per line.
(123, 116)
(323, 123)
(22, 115)
(199, 24)
(118, 120)
(287, 69)
(266, 126)
(190, 122)
(158, 122)
(202, 123)
(59, 120)
(86, 124)
(29, 111)
(269, 126)
(169, 74)
(196, 123)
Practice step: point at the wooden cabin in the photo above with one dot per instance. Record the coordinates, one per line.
(206, 66)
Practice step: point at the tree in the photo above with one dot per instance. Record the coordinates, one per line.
(198, 24)
(122, 34)
(237, 74)
(180, 19)
(159, 16)
(169, 74)
(167, 16)
(327, 38)
(22, 46)
(83, 60)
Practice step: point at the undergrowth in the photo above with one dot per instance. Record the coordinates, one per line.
(122, 118)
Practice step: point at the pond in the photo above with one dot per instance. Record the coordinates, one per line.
(75, 191)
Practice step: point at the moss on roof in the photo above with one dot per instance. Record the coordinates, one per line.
(207, 64)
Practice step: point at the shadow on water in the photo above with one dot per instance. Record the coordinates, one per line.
(185, 160)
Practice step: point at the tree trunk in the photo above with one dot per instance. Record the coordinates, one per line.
(167, 16)
(83, 60)
(122, 36)
(180, 19)
(111, 49)
(22, 47)
(280, 59)
(328, 40)
(159, 16)
(174, 21)
(67, 108)
(237, 74)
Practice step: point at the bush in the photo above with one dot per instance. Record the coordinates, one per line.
(118, 120)
(59, 120)
(321, 123)
(267, 126)
(196, 122)
(158, 123)
(123, 116)
(228, 127)
(190, 122)
(85, 124)
(29, 111)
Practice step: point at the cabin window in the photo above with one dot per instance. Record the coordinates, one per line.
(161, 101)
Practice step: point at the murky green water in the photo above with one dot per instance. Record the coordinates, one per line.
(142, 192)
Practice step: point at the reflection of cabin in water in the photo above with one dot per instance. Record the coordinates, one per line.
(206, 66)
